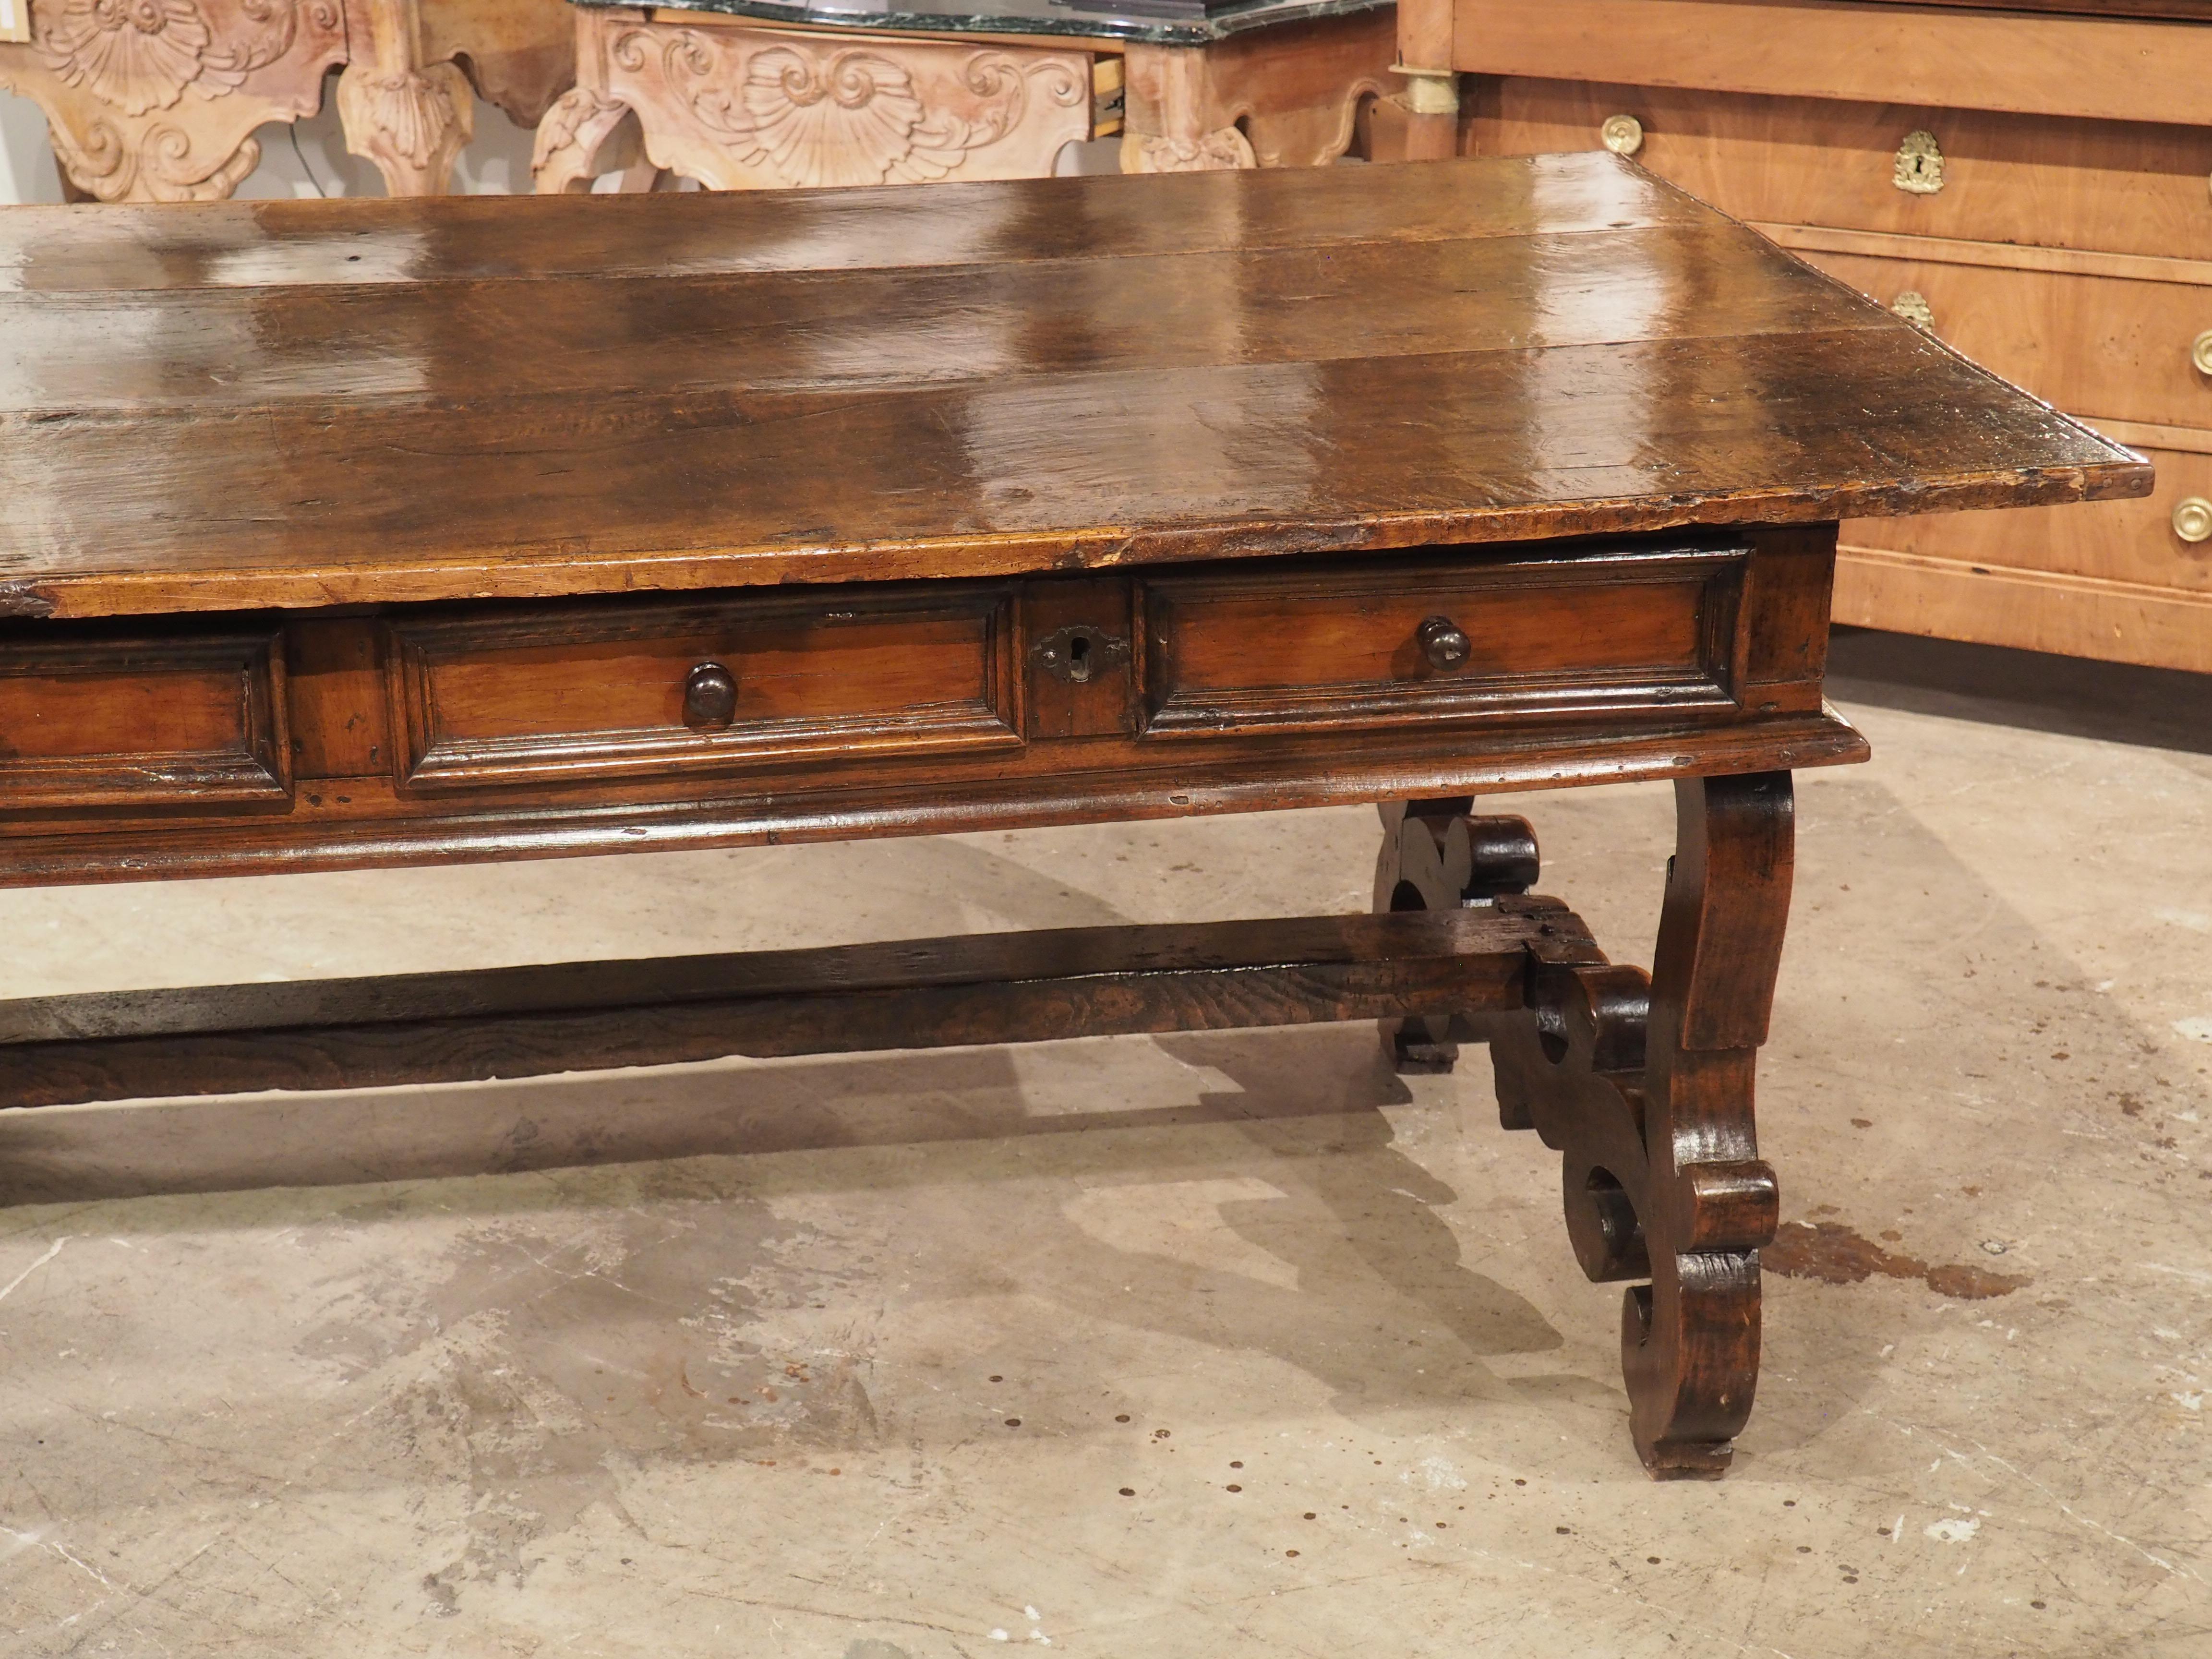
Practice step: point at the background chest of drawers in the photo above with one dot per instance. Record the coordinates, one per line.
(2034, 187)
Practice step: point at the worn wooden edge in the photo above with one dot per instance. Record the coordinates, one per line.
(556, 571)
(2130, 472)
(360, 836)
(925, 994)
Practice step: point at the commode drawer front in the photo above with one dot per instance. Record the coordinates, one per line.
(2162, 540)
(2119, 187)
(104, 715)
(613, 689)
(1443, 637)
(2093, 346)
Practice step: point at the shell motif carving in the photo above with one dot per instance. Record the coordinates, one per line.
(138, 55)
(411, 113)
(851, 116)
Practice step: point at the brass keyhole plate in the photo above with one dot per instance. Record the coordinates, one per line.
(1919, 164)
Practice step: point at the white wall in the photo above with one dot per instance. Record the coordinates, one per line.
(27, 163)
(316, 165)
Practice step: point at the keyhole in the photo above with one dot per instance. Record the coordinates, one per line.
(1079, 658)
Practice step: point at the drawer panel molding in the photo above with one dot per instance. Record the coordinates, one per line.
(1459, 638)
(98, 718)
(614, 689)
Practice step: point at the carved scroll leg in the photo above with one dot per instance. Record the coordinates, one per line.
(583, 135)
(1436, 856)
(1643, 1085)
(1170, 124)
(410, 118)
(1690, 1341)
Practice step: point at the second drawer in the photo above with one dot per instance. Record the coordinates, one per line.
(1461, 636)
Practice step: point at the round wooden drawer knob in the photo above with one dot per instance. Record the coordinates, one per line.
(1621, 134)
(710, 697)
(1443, 644)
(2192, 519)
(2200, 352)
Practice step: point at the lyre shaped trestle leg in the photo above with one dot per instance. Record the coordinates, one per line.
(1643, 1083)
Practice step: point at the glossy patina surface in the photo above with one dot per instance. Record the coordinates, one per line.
(295, 403)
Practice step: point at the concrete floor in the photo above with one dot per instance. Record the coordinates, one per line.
(1232, 1345)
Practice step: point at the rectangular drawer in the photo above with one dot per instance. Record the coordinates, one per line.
(2115, 186)
(2112, 541)
(2091, 345)
(1342, 645)
(606, 688)
(93, 717)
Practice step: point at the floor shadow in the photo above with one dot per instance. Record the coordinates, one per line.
(2115, 702)
(575, 1121)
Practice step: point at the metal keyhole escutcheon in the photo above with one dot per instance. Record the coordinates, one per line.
(1443, 644)
(1076, 655)
(710, 697)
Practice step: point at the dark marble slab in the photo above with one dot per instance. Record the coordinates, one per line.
(1159, 22)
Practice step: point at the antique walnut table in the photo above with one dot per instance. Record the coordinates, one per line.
(386, 532)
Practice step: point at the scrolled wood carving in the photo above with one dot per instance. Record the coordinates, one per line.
(1642, 1083)
(577, 141)
(157, 100)
(138, 55)
(749, 109)
(1222, 150)
(411, 122)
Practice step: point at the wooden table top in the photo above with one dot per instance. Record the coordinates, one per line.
(300, 404)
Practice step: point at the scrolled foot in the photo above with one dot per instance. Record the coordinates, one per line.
(1643, 1085)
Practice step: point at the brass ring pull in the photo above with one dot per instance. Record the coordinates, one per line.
(2192, 519)
(710, 697)
(1443, 644)
(2200, 352)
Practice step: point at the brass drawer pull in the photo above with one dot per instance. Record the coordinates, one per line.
(1913, 307)
(2200, 352)
(2192, 519)
(1443, 644)
(710, 697)
(1621, 134)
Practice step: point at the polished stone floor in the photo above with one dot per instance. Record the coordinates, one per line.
(1224, 1346)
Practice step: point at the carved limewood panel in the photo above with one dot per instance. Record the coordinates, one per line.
(156, 100)
(753, 108)
(1284, 97)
